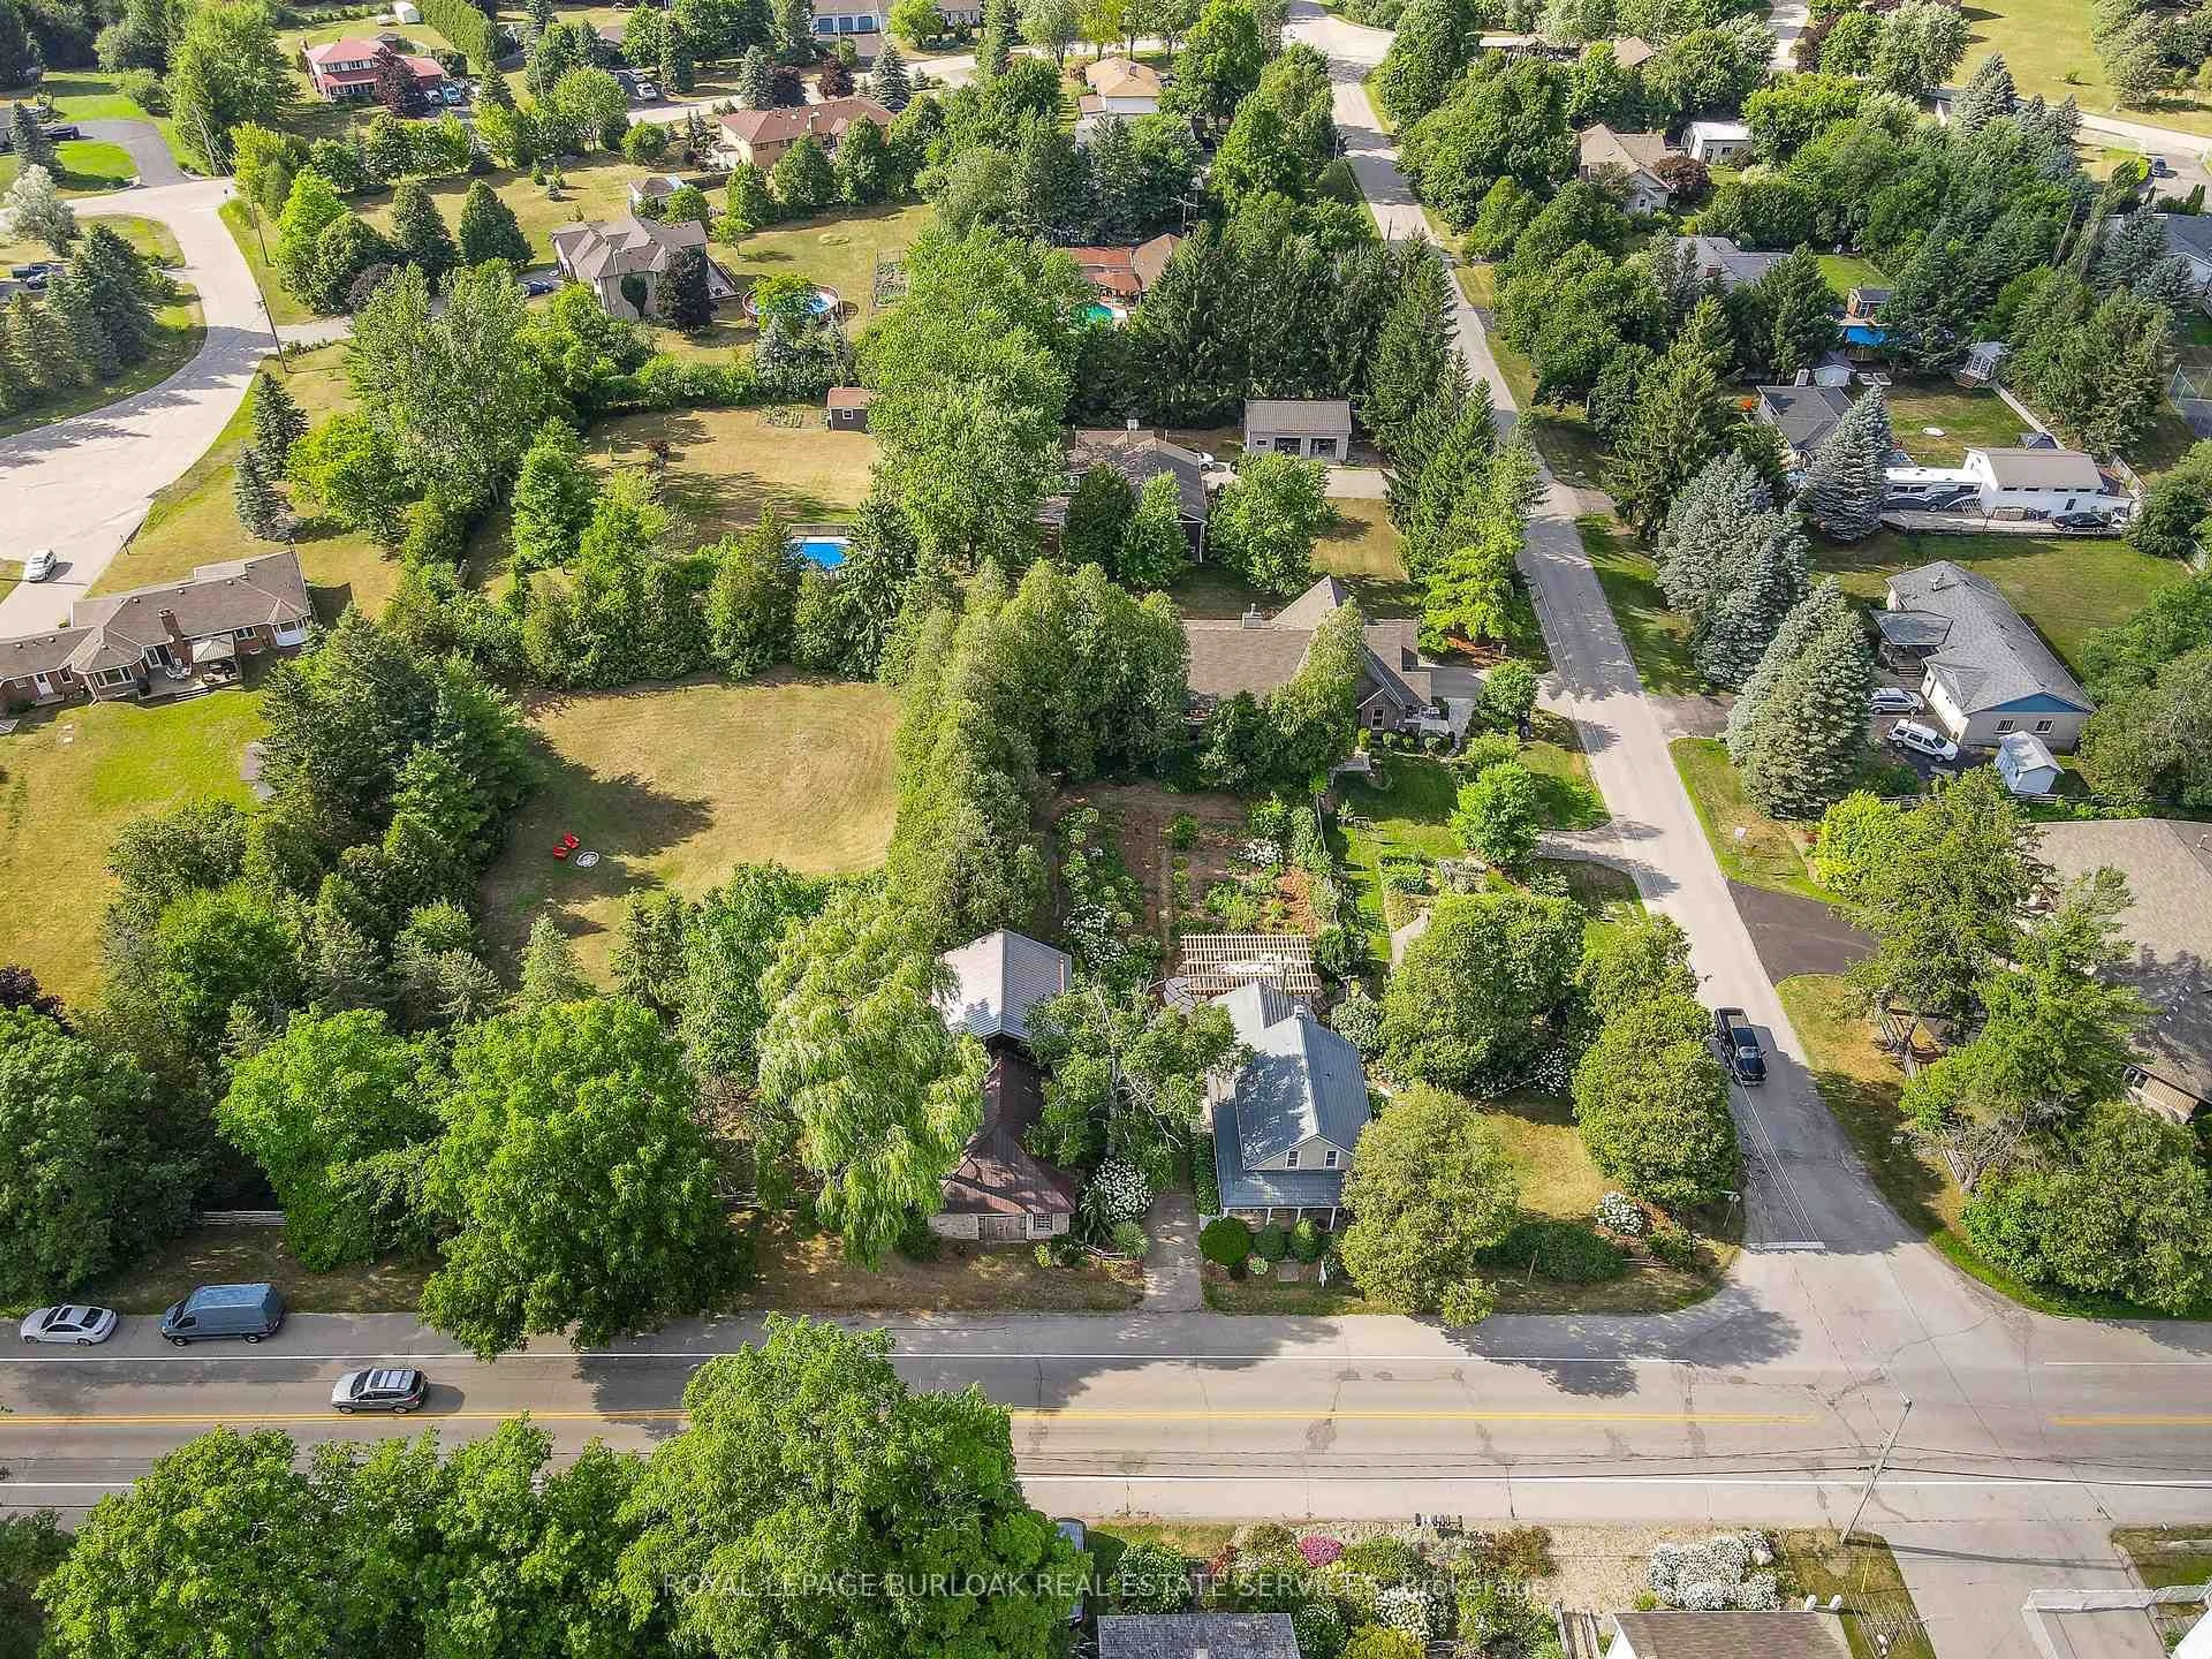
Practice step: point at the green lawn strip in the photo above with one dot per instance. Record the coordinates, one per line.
(2069, 586)
(1879, 1617)
(1658, 640)
(178, 333)
(237, 216)
(1845, 271)
(1571, 796)
(1750, 847)
(82, 166)
(2045, 44)
(2166, 1556)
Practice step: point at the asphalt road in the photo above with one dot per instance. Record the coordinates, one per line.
(81, 486)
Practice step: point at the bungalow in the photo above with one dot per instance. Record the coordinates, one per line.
(345, 71)
(857, 20)
(1985, 671)
(1196, 1636)
(1000, 1192)
(623, 260)
(173, 639)
(1717, 144)
(1124, 275)
(1630, 157)
(2168, 932)
(848, 408)
(1287, 1121)
(1123, 87)
(1315, 428)
(758, 137)
(2025, 482)
(1803, 415)
(1720, 261)
(1667, 1634)
(1138, 457)
(2189, 238)
(1401, 691)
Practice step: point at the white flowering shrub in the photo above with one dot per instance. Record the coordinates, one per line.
(1406, 1607)
(1262, 853)
(1759, 1592)
(1715, 1573)
(1707, 1595)
(1552, 1071)
(1620, 1213)
(1119, 1193)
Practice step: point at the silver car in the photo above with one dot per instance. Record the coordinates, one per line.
(1895, 700)
(395, 1388)
(71, 1322)
(1923, 740)
(40, 566)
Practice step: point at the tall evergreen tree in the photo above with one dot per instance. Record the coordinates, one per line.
(1423, 436)
(1763, 576)
(32, 149)
(113, 278)
(1679, 422)
(90, 350)
(685, 301)
(1799, 730)
(1725, 491)
(1188, 330)
(258, 509)
(1803, 329)
(1456, 471)
(890, 83)
(1990, 95)
(1847, 479)
(419, 232)
(678, 71)
(1409, 360)
(278, 423)
(16, 388)
(757, 79)
(19, 53)
(489, 229)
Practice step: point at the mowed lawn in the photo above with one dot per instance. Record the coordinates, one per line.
(674, 785)
(195, 521)
(1658, 638)
(2045, 44)
(70, 777)
(82, 166)
(725, 467)
(1964, 420)
(2069, 586)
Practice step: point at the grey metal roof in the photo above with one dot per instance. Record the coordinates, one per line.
(1990, 657)
(2168, 864)
(1262, 1189)
(1185, 1635)
(2189, 234)
(1786, 1635)
(1302, 1079)
(1316, 417)
(997, 980)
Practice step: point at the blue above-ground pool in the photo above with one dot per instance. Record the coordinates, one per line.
(827, 551)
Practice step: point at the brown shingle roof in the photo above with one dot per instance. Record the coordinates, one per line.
(1671, 1635)
(1139, 456)
(997, 1174)
(1638, 152)
(39, 653)
(828, 120)
(1120, 77)
(117, 628)
(849, 397)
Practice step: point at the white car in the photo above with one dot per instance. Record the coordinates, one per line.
(1923, 740)
(71, 1324)
(40, 566)
(1895, 700)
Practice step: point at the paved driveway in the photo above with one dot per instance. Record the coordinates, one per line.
(81, 486)
(156, 166)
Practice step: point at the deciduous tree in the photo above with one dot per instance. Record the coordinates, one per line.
(1429, 1189)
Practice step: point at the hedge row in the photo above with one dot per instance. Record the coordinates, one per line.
(468, 30)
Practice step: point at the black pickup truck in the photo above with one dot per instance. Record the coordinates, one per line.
(1739, 1043)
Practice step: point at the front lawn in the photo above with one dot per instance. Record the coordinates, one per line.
(1366, 550)
(1845, 271)
(2069, 586)
(2045, 44)
(239, 218)
(195, 521)
(254, 1256)
(1975, 420)
(178, 333)
(595, 187)
(809, 1272)
(1750, 847)
(674, 785)
(82, 166)
(1658, 638)
(1879, 1617)
(70, 777)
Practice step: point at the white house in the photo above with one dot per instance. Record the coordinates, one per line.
(1718, 143)
(2016, 484)
(2027, 766)
(1985, 671)
(1631, 157)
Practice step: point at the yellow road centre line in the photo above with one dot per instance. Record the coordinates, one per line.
(1062, 1414)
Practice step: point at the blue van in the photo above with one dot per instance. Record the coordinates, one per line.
(214, 1311)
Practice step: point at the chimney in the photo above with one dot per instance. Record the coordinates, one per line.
(1252, 618)
(169, 627)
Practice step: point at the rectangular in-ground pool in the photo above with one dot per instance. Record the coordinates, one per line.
(827, 551)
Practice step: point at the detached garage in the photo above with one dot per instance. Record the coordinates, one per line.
(1312, 429)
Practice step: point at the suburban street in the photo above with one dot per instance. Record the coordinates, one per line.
(2019, 1440)
(81, 486)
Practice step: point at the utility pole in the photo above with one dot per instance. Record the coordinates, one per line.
(1881, 1458)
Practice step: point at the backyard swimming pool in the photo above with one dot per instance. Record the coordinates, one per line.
(827, 551)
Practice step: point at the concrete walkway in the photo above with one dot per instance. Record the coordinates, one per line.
(81, 486)
(1171, 1265)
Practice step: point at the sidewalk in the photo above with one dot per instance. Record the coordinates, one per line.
(1171, 1277)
